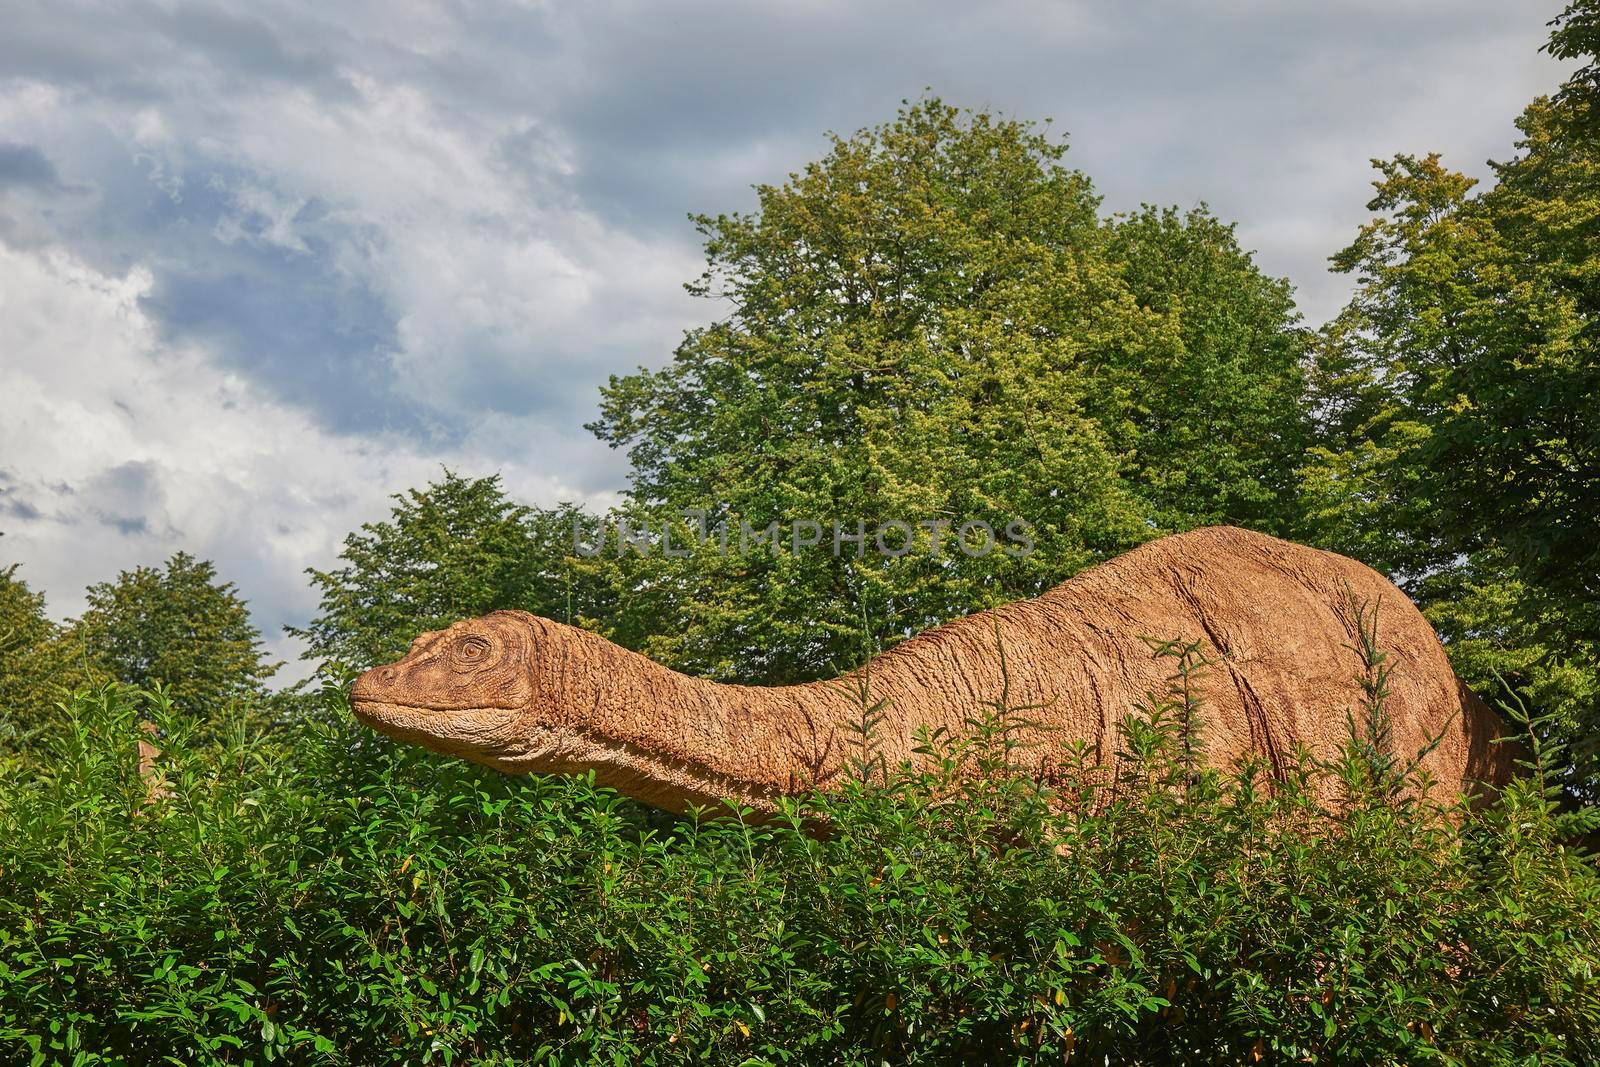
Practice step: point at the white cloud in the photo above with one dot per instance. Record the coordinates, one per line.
(118, 450)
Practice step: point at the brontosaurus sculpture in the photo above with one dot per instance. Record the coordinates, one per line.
(524, 694)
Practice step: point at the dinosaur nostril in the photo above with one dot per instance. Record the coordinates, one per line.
(371, 684)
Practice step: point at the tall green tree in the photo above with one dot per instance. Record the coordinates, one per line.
(934, 323)
(1474, 335)
(178, 626)
(39, 663)
(1459, 392)
(1210, 406)
(1575, 35)
(456, 548)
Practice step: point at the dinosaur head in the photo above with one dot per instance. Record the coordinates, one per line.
(471, 690)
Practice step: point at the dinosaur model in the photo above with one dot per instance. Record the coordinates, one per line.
(524, 694)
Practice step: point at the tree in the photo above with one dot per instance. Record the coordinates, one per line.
(1499, 629)
(179, 627)
(1459, 392)
(1367, 491)
(1476, 321)
(933, 324)
(455, 549)
(1215, 398)
(1575, 34)
(39, 665)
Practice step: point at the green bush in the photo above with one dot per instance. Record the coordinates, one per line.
(315, 894)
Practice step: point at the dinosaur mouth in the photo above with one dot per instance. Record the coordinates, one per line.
(427, 726)
(380, 714)
(508, 742)
(493, 737)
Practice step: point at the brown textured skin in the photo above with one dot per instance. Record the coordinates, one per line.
(524, 694)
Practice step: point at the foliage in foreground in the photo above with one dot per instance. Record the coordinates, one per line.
(320, 895)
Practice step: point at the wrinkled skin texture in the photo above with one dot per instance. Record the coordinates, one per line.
(524, 694)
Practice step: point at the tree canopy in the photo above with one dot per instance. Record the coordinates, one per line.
(1459, 392)
(39, 663)
(179, 627)
(456, 548)
(935, 322)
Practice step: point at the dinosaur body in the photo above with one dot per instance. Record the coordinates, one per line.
(525, 694)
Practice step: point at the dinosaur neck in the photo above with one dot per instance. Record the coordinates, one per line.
(675, 741)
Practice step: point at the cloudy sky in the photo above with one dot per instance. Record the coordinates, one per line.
(263, 264)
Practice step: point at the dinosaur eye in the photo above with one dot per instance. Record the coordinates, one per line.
(473, 649)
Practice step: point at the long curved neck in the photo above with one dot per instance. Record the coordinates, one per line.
(675, 741)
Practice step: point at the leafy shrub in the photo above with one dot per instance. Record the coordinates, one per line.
(315, 894)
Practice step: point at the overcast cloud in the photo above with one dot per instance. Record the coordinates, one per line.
(263, 264)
